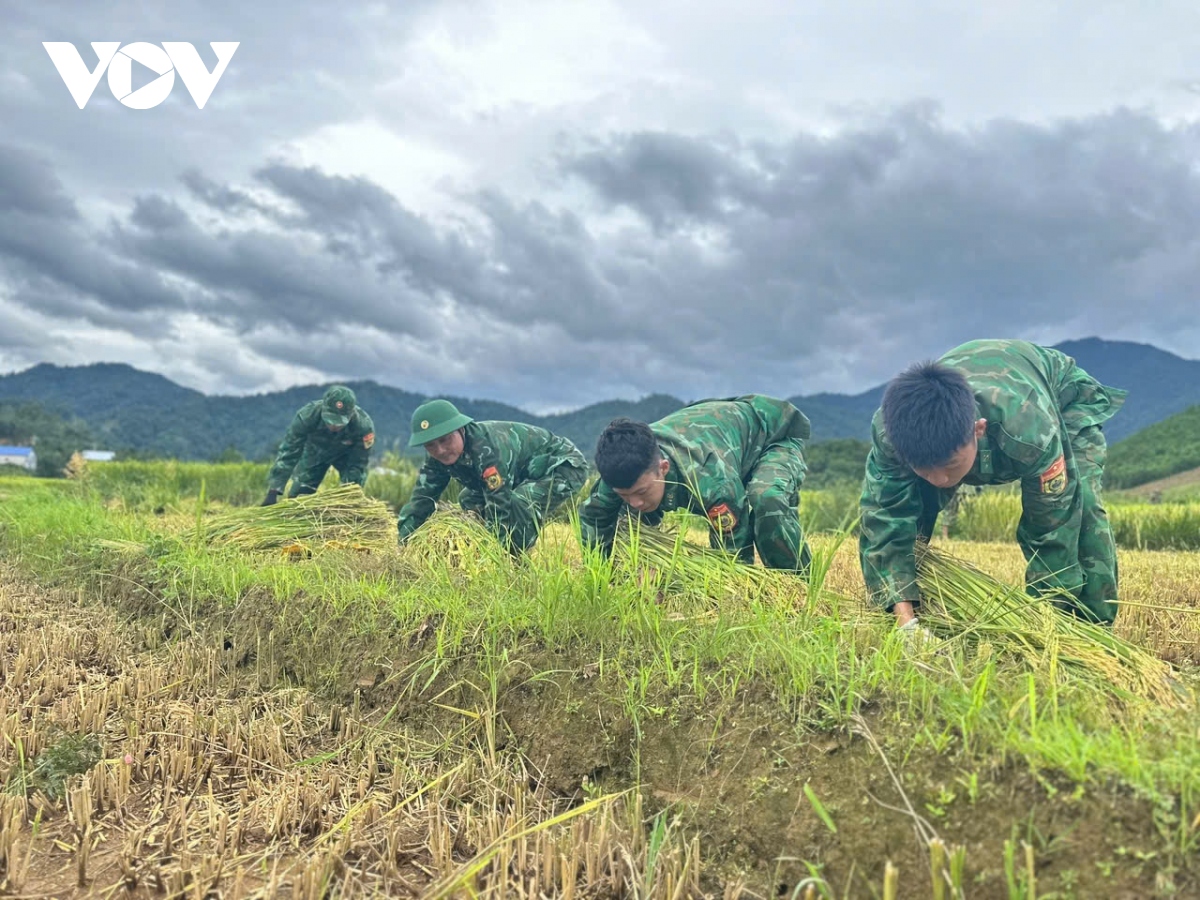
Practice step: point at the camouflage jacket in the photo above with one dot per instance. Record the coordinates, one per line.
(1034, 399)
(309, 437)
(712, 447)
(496, 457)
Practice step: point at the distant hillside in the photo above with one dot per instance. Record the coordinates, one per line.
(53, 437)
(583, 426)
(1163, 449)
(1181, 485)
(128, 409)
(837, 416)
(1160, 384)
(132, 410)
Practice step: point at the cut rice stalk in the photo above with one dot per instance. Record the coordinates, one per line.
(959, 601)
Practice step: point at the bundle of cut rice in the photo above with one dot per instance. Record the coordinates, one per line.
(960, 602)
(455, 539)
(678, 566)
(341, 517)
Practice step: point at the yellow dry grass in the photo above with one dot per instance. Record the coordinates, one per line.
(216, 787)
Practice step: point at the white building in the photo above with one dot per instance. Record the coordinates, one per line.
(98, 455)
(18, 456)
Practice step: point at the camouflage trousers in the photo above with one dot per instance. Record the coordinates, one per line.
(534, 502)
(1095, 550)
(773, 498)
(310, 472)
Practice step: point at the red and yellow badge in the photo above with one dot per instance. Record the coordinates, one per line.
(722, 518)
(1054, 479)
(369, 440)
(492, 478)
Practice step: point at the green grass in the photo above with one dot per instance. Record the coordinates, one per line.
(455, 622)
(164, 485)
(822, 657)
(159, 485)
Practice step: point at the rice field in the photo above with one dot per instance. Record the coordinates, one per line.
(193, 708)
(1136, 523)
(157, 487)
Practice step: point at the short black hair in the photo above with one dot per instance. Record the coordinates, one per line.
(625, 451)
(928, 413)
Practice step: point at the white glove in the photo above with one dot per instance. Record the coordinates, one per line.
(916, 635)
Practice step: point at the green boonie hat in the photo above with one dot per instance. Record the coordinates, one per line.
(434, 419)
(337, 405)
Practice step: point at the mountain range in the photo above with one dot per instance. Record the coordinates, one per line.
(129, 409)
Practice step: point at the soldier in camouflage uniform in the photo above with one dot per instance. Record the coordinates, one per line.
(994, 412)
(739, 462)
(333, 431)
(511, 474)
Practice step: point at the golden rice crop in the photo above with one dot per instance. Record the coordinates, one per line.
(994, 515)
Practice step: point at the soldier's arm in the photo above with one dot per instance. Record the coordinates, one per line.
(1051, 515)
(890, 506)
(289, 452)
(431, 481)
(358, 456)
(598, 516)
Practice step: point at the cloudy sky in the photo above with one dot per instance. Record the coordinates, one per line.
(552, 203)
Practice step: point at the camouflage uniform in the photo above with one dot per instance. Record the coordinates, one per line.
(1044, 415)
(309, 448)
(511, 474)
(740, 463)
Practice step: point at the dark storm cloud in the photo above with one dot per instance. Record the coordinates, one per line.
(54, 262)
(815, 262)
(905, 226)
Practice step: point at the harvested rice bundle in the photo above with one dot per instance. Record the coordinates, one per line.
(456, 539)
(959, 601)
(343, 516)
(677, 565)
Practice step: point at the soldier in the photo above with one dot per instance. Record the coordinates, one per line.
(993, 412)
(739, 462)
(333, 431)
(513, 475)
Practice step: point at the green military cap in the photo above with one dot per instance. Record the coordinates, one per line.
(434, 419)
(337, 405)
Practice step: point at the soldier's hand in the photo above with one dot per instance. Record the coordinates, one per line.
(272, 496)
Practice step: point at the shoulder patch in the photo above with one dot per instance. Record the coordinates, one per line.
(492, 478)
(722, 518)
(1054, 479)
(369, 440)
